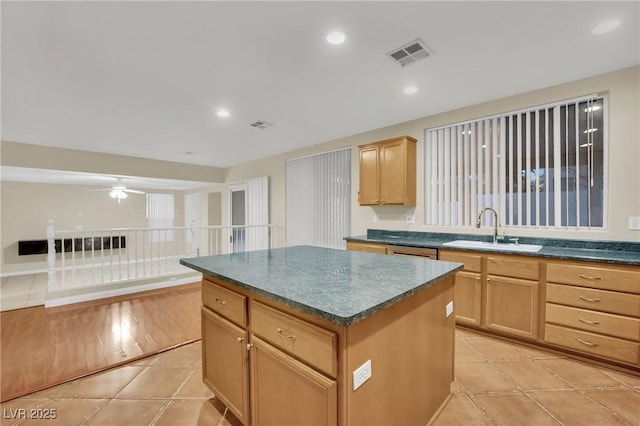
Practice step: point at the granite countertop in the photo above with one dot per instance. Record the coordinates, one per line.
(338, 285)
(620, 252)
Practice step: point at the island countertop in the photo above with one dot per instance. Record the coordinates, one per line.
(338, 285)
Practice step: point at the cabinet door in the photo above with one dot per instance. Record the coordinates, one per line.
(466, 298)
(225, 362)
(512, 306)
(369, 193)
(393, 174)
(286, 392)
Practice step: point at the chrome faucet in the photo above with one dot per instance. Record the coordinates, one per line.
(495, 222)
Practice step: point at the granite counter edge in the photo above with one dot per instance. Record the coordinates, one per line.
(319, 313)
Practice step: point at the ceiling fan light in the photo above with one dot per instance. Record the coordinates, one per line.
(118, 194)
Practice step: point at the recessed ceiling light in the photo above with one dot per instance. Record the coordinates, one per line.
(410, 90)
(605, 26)
(336, 37)
(223, 113)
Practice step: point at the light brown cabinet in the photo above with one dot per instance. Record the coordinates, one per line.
(367, 247)
(467, 291)
(388, 172)
(273, 364)
(308, 398)
(513, 290)
(594, 309)
(224, 362)
(497, 292)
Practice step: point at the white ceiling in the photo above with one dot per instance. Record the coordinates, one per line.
(145, 79)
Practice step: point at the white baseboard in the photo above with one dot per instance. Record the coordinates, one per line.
(89, 294)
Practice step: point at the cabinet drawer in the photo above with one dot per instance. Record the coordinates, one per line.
(513, 266)
(604, 278)
(583, 341)
(596, 322)
(599, 300)
(227, 303)
(472, 262)
(310, 343)
(367, 247)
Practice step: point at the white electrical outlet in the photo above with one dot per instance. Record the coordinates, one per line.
(634, 223)
(448, 310)
(411, 218)
(361, 374)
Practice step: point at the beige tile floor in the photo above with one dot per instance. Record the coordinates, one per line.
(21, 291)
(497, 383)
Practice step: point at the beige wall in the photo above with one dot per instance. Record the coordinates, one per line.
(27, 207)
(623, 195)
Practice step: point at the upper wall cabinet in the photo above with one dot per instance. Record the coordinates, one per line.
(388, 172)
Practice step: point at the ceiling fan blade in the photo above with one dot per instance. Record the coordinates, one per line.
(101, 189)
(135, 191)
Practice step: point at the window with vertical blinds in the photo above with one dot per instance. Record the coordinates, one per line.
(318, 196)
(160, 216)
(542, 167)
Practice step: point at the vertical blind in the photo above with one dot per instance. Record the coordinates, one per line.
(541, 167)
(160, 215)
(257, 238)
(318, 197)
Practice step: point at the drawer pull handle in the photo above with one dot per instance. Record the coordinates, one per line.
(286, 335)
(589, 277)
(588, 322)
(221, 301)
(586, 299)
(584, 342)
(240, 339)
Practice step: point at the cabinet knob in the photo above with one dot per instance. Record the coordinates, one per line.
(240, 339)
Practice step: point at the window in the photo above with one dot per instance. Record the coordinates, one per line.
(543, 167)
(160, 214)
(319, 199)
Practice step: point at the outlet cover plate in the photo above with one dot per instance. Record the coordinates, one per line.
(361, 374)
(634, 222)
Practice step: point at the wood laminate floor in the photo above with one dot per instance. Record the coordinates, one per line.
(43, 347)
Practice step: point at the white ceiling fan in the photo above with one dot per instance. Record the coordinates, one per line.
(119, 191)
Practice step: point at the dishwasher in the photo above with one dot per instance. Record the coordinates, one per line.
(428, 253)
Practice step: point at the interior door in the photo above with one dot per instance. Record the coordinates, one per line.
(238, 215)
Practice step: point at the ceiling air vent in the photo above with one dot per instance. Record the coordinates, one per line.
(410, 53)
(261, 124)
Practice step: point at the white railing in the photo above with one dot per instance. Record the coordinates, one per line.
(88, 258)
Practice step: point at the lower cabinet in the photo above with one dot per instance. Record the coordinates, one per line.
(237, 363)
(497, 292)
(273, 365)
(594, 309)
(224, 362)
(512, 306)
(310, 398)
(467, 293)
(367, 247)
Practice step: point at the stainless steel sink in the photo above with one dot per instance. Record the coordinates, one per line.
(487, 245)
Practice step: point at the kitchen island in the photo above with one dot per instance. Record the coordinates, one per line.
(307, 335)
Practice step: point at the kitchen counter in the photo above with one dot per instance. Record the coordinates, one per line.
(620, 252)
(336, 285)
